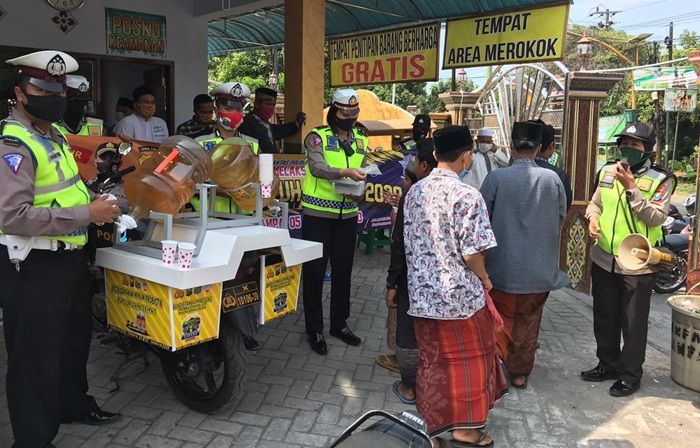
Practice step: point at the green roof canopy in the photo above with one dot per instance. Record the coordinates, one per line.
(265, 27)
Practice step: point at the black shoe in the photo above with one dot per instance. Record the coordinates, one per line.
(622, 388)
(598, 374)
(347, 336)
(251, 344)
(318, 344)
(98, 418)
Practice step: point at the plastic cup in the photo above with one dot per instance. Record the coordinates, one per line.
(169, 252)
(185, 252)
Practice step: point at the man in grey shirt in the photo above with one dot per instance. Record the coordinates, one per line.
(527, 207)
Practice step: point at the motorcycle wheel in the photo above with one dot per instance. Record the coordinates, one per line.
(206, 376)
(671, 279)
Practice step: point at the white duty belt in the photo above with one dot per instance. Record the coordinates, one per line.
(20, 243)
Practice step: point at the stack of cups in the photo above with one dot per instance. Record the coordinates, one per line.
(178, 253)
(169, 252)
(266, 174)
(185, 252)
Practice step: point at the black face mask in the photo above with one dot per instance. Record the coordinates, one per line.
(48, 108)
(74, 113)
(346, 124)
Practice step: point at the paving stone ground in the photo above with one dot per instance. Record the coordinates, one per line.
(295, 398)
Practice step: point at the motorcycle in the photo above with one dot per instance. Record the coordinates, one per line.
(676, 229)
(405, 430)
(205, 376)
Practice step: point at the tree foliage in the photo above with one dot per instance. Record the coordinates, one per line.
(619, 96)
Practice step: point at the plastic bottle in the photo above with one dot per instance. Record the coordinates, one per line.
(235, 169)
(166, 181)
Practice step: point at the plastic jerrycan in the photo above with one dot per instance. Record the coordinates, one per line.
(235, 169)
(167, 180)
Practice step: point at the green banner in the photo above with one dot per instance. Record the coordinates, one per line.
(657, 78)
(135, 34)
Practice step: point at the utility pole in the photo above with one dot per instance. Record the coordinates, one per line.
(657, 125)
(669, 46)
(607, 23)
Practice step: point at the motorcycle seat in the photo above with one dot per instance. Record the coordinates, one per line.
(677, 241)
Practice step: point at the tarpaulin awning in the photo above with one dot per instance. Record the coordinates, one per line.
(265, 27)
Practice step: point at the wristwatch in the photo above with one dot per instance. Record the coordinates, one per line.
(629, 193)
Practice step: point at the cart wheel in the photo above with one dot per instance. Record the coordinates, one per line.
(206, 376)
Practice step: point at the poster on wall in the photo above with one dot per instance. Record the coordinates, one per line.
(680, 100)
(135, 34)
(398, 55)
(526, 35)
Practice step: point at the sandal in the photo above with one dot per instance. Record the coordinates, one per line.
(404, 400)
(482, 435)
(388, 362)
(518, 386)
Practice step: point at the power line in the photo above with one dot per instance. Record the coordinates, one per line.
(693, 15)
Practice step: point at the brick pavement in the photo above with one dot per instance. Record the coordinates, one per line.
(295, 398)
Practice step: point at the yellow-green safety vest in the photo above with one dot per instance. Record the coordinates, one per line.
(57, 179)
(617, 219)
(223, 204)
(88, 128)
(210, 143)
(318, 194)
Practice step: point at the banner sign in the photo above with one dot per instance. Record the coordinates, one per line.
(680, 100)
(658, 78)
(398, 55)
(527, 35)
(280, 290)
(167, 317)
(375, 213)
(135, 34)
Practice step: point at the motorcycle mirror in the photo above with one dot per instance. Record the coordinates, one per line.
(124, 148)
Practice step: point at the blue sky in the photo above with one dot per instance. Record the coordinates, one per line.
(635, 17)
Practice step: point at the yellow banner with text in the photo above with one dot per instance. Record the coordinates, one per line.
(528, 35)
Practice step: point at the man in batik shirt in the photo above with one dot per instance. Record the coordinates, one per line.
(446, 230)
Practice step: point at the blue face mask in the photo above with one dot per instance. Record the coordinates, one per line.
(465, 172)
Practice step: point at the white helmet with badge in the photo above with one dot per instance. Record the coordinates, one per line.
(231, 89)
(77, 85)
(46, 69)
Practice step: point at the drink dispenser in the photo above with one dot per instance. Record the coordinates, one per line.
(166, 181)
(235, 169)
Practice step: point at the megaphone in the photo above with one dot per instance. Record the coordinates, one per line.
(636, 253)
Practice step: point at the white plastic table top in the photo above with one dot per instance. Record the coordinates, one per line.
(218, 260)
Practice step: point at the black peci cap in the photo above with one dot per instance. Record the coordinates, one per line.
(452, 138)
(422, 120)
(265, 91)
(547, 133)
(527, 131)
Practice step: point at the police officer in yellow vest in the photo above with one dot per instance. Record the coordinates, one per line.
(229, 99)
(632, 196)
(74, 120)
(46, 292)
(333, 152)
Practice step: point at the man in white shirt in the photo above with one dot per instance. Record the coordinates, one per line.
(487, 157)
(142, 124)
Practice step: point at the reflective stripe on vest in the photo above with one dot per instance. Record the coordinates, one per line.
(318, 193)
(87, 129)
(210, 143)
(57, 181)
(617, 219)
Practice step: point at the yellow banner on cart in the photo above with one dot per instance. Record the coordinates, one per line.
(166, 317)
(281, 290)
(526, 35)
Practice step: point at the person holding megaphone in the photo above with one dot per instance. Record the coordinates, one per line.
(632, 196)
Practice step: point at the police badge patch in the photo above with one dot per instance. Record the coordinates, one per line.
(14, 161)
(607, 180)
(56, 66)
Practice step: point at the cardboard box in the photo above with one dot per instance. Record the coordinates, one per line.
(167, 317)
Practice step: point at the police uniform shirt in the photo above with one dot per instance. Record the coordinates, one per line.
(134, 126)
(18, 216)
(653, 213)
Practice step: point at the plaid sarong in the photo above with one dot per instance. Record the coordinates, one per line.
(459, 375)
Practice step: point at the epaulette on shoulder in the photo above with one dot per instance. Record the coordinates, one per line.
(93, 120)
(324, 126)
(361, 131)
(663, 169)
